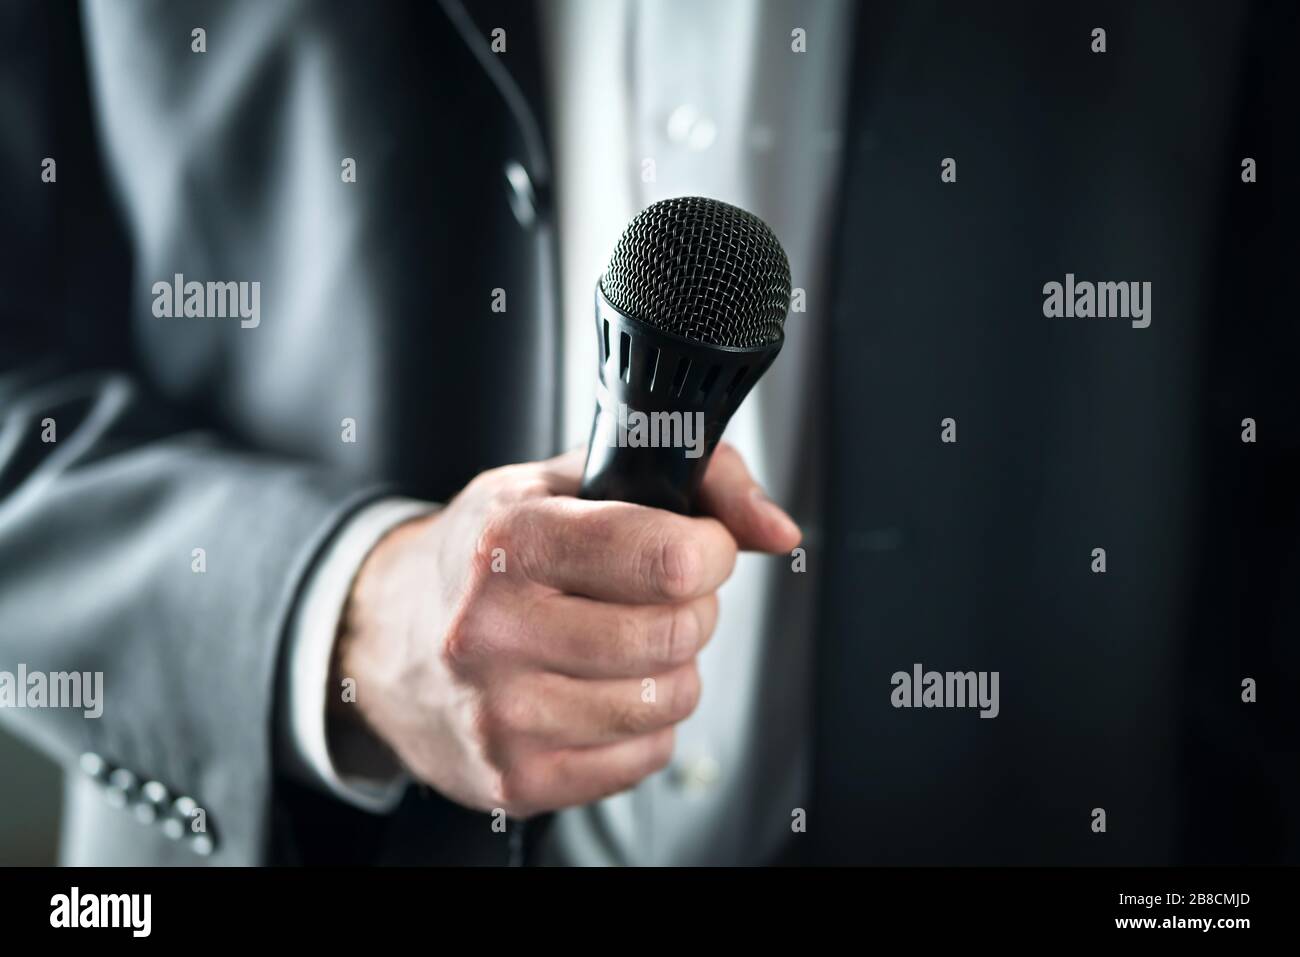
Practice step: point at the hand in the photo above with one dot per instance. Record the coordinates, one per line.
(501, 646)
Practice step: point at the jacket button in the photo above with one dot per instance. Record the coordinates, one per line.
(179, 821)
(152, 804)
(523, 199)
(178, 825)
(122, 787)
(93, 766)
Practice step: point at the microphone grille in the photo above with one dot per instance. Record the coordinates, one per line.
(703, 270)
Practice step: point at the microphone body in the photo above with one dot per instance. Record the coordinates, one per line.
(690, 313)
(662, 403)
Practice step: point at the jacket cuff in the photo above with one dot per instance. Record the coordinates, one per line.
(303, 743)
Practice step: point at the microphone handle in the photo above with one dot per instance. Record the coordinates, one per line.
(660, 477)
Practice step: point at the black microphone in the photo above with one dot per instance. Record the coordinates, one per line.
(689, 314)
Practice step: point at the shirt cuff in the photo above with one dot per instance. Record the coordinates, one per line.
(312, 632)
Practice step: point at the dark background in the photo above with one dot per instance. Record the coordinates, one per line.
(1235, 775)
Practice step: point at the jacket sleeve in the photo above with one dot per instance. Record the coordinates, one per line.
(169, 564)
(140, 537)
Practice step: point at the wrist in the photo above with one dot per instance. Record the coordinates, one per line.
(357, 683)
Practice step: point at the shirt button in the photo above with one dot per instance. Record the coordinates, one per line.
(696, 775)
(523, 199)
(688, 127)
(121, 789)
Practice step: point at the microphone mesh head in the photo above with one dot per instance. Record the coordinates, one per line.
(702, 270)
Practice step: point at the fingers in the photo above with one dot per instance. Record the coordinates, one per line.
(728, 493)
(559, 779)
(614, 551)
(551, 711)
(578, 684)
(732, 496)
(582, 638)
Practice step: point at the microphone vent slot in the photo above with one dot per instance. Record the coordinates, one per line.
(624, 355)
(652, 367)
(710, 380)
(736, 379)
(679, 377)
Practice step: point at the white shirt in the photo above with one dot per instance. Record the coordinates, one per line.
(653, 99)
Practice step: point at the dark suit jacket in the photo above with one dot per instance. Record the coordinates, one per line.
(1119, 691)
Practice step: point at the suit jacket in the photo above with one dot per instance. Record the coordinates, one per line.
(1121, 690)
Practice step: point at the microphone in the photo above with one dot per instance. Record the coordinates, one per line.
(690, 313)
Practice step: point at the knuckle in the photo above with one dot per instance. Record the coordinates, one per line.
(459, 645)
(523, 525)
(632, 717)
(509, 531)
(673, 635)
(519, 482)
(484, 731)
(676, 568)
(501, 717)
(480, 625)
(482, 632)
(630, 637)
(501, 531)
(510, 714)
(489, 486)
